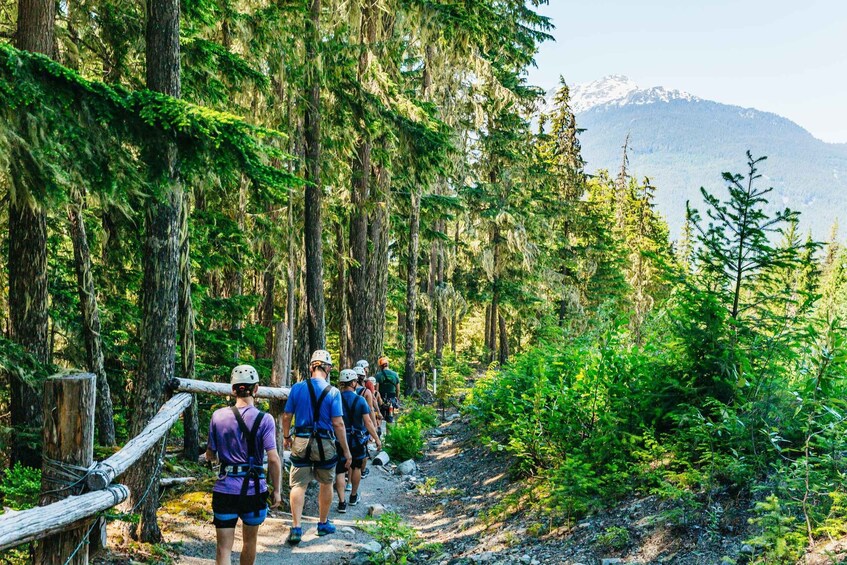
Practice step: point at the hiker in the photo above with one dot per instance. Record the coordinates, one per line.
(360, 428)
(239, 437)
(316, 409)
(365, 392)
(388, 386)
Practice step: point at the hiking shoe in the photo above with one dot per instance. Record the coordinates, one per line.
(295, 536)
(327, 527)
(348, 488)
(354, 499)
(366, 472)
(342, 507)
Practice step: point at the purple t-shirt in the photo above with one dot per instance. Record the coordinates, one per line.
(226, 439)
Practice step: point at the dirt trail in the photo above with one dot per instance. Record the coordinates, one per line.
(198, 540)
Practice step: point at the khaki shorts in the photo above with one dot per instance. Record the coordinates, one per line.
(302, 476)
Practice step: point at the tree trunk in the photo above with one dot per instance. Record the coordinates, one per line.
(412, 289)
(368, 227)
(91, 321)
(440, 320)
(188, 351)
(341, 293)
(312, 228)
(269, 290)
(160, 282)
(504, 342)
(28, 250)
(291, 298)
(429, 325)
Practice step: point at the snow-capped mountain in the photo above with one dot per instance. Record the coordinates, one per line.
(618, 90)
(682, 142)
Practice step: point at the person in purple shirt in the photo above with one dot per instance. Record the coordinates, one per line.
(239, 437)
(315, 407)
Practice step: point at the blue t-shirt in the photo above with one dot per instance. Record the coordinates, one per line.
(359, 409)
(299, 403)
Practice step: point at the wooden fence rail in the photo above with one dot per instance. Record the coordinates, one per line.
(66, 515)
(105, 472)
(224, 389)
(42, 521)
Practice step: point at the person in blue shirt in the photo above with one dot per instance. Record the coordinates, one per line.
(315, 408)
(360, 429)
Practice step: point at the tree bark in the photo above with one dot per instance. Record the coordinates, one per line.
(188, 351)
(341, 293)
(28, 249)
(440, 320)
(91, 321)
(313, 228)
(368, 224)
(504, 342)
(412, 289)
(160, 282)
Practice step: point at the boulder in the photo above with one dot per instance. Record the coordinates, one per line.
(372, 547)
(376, 510)
(407, 467)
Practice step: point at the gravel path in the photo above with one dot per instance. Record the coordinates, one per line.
(198, 540)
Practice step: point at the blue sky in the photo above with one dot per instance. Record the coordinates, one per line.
(787, 57)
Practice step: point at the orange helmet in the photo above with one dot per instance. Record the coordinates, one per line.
(382, 361)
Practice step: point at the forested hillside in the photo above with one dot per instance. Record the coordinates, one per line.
(680, 144)
(190, 186)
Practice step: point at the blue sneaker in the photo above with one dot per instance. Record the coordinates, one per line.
(295, 536)
(325, 528)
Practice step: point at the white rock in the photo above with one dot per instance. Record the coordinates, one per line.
(453, 417)
(372, 547)
(526, 558)
(376, 511)
(407, 468)
(437, 432)
(398, 544)
(348, 530)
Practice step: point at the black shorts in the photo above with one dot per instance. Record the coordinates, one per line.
(359, 453)
(228, 508)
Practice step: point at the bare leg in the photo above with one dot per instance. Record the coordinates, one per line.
(298, 499)
(248, 546)
(355, 479)
(226, 536)
(325, 501)
(339, 486)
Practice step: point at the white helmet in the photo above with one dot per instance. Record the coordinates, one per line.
(244, 375)
(362, 363)
(372, 380)
(360, 371)
(347, 376)
(321, 357)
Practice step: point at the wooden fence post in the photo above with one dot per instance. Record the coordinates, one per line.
(68, 434)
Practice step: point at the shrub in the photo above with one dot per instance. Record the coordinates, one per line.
(426, 416)
(404, 440)
(20, 487)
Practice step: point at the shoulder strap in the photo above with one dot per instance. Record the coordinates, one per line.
(317, 401)
(249, 434)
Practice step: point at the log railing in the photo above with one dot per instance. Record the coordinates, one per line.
(70, 516)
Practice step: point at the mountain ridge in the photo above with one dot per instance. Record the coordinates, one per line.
(682, 142)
